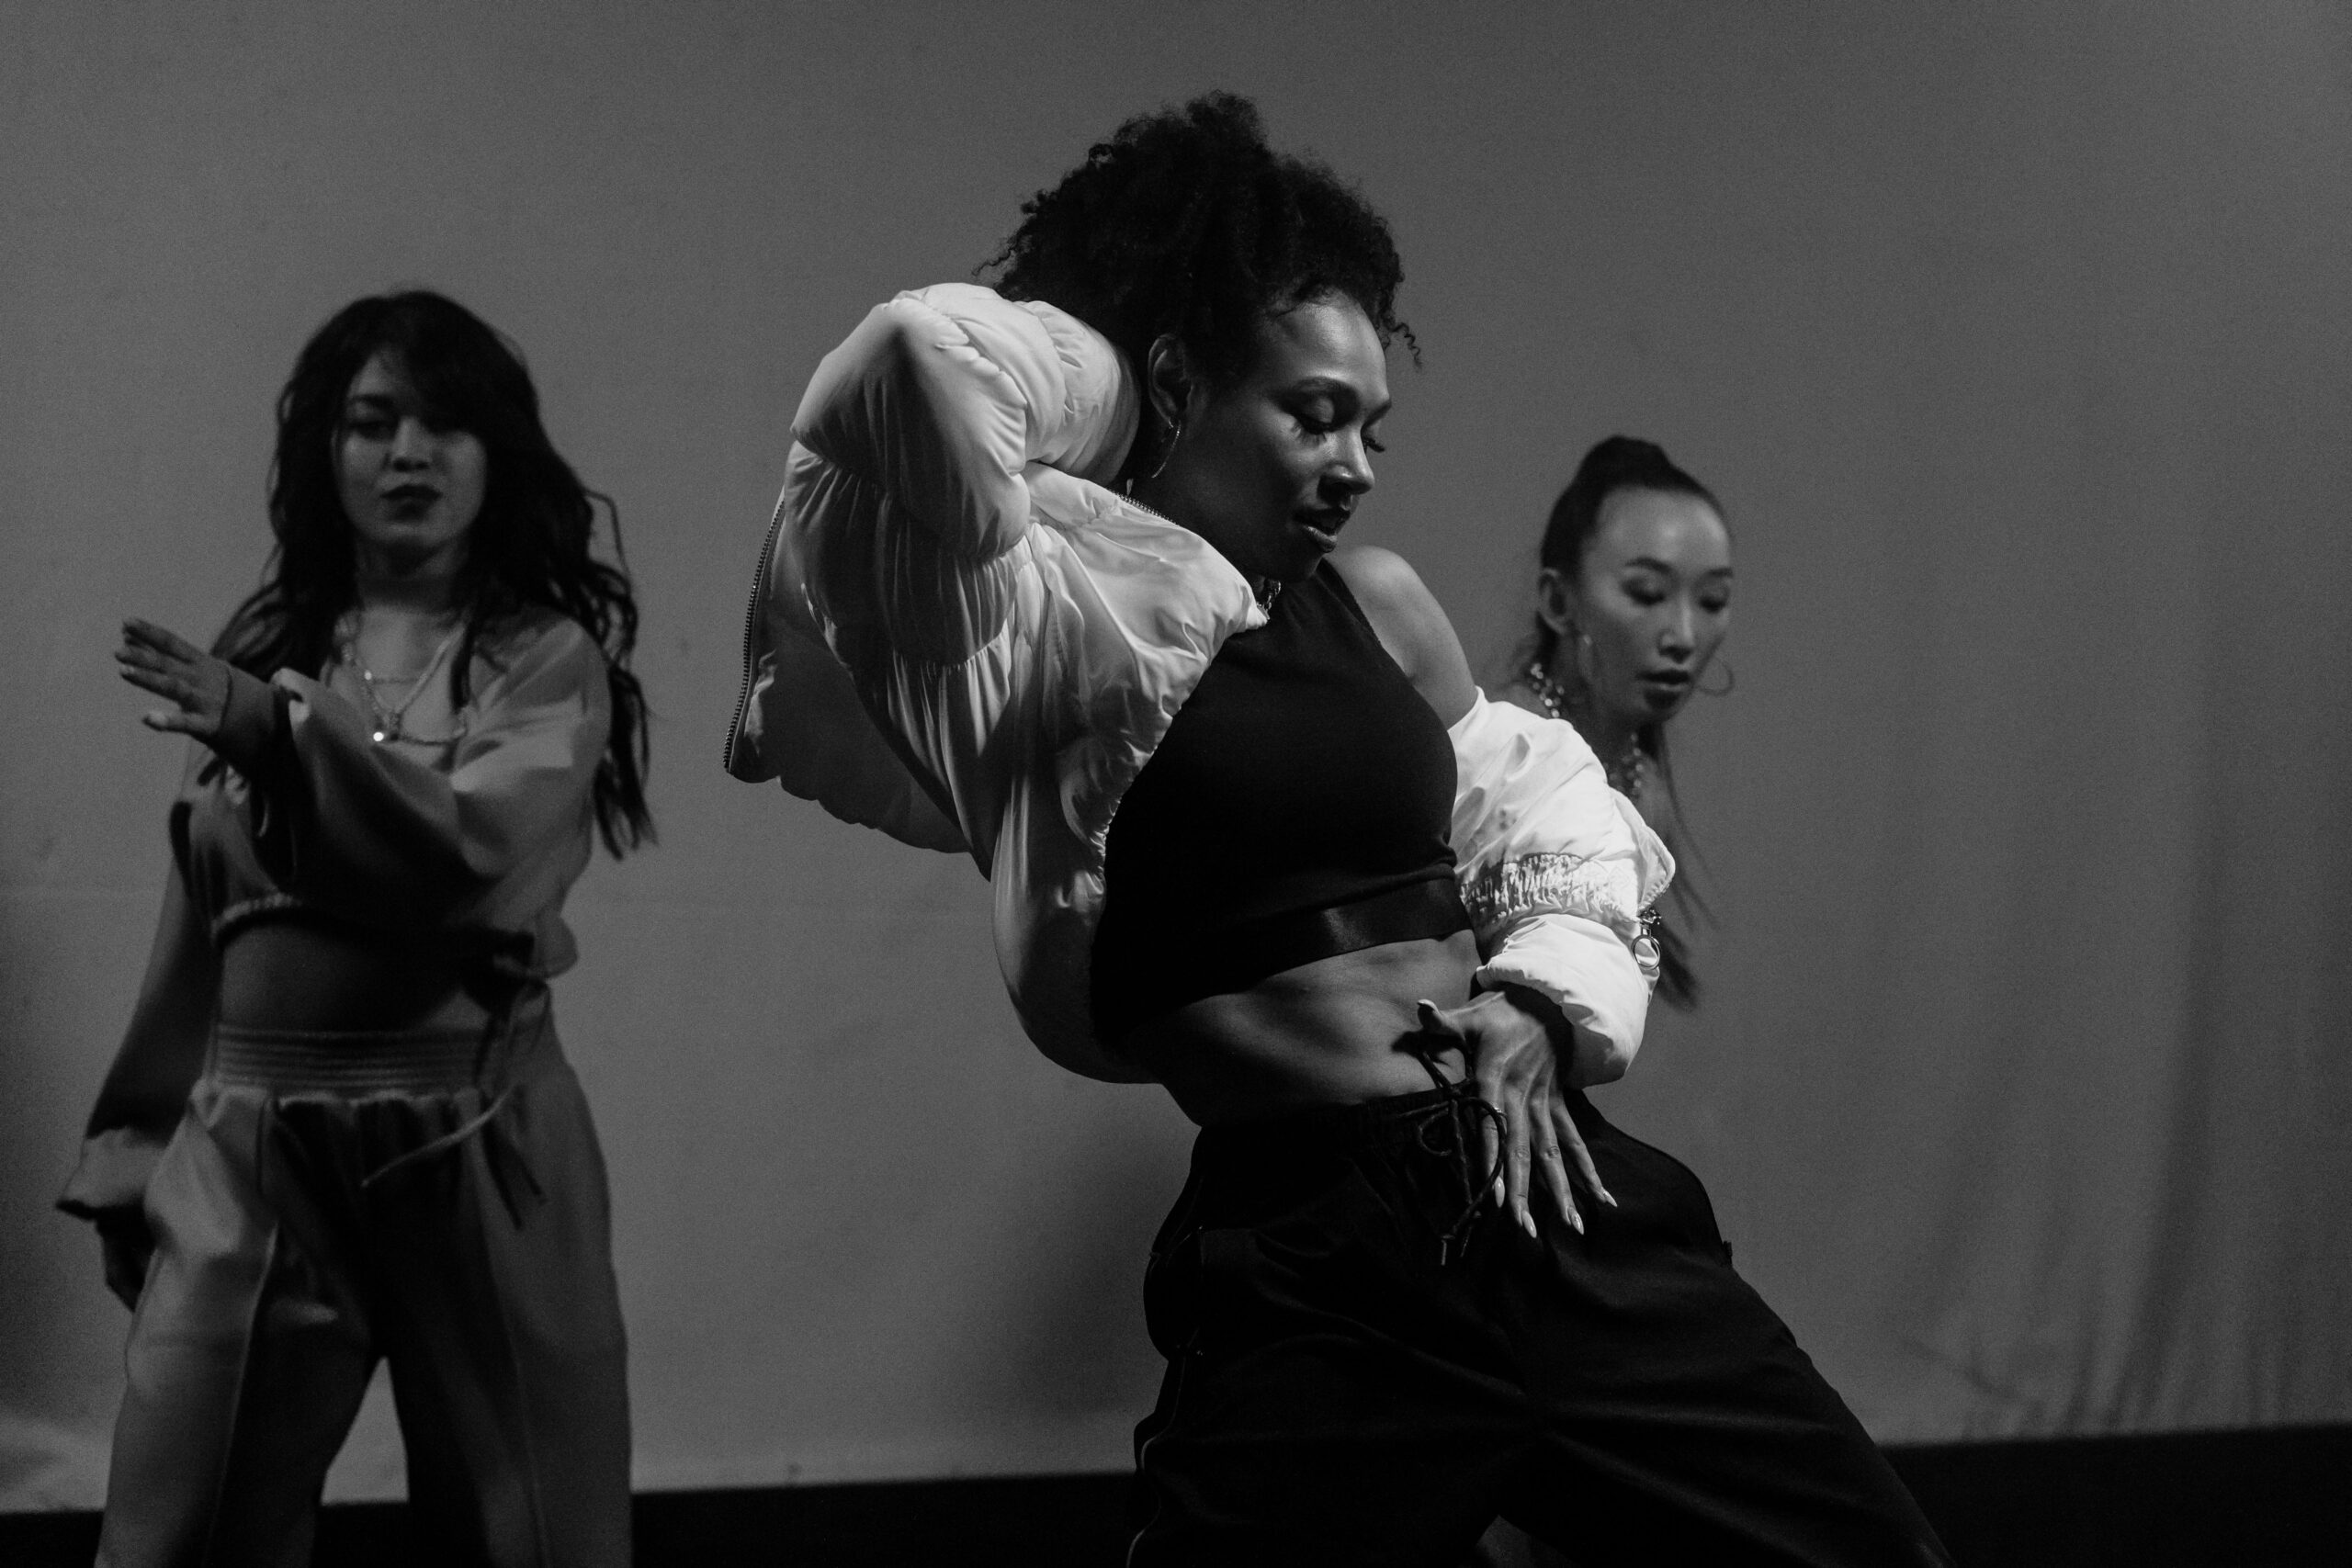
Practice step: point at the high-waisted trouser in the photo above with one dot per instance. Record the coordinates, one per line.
(434, 1198)
(1366, 1366)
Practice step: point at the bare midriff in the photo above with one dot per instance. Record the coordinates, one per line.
(1340, 1031)
(298, 976)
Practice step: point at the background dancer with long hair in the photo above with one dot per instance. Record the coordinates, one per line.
(340, 1129)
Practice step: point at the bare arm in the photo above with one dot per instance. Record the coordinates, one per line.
(1412, 627)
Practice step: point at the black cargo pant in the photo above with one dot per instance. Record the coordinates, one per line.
(1367, 1364)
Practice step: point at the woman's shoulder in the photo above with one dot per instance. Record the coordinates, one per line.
(1520, 694)
(1411, 624)
(1374, 573)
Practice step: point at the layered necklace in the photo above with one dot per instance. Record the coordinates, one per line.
(390, 718)
(1625, 771)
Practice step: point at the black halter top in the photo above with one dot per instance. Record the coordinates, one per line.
(1297, 808)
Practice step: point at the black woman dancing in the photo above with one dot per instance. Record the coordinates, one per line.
(1056, 580)
(340, 1128)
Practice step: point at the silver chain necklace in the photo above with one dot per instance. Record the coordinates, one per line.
(1625, 772)
(390, 721)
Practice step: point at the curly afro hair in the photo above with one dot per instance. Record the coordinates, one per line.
(1186, 221)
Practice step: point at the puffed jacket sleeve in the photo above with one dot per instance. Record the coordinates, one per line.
(944, 396)
(923, 451)
(1556, 869)
(161, 1056)
(391, 840)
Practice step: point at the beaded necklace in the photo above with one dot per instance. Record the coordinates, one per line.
(1625, 771)
(1626, 778)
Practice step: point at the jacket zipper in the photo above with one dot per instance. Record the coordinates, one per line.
(750, 625)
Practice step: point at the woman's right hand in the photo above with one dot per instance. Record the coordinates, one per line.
(156, 659)
(128, 1246)
(212, 700)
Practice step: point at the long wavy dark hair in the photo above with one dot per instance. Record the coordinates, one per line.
(1624, 462)
(529, 549)
(1187, 223)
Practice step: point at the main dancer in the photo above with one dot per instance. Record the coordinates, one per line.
(340, 1127)
(1055, 581)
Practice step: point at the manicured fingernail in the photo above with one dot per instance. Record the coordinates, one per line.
(1606, 1198)
(1576, 1221)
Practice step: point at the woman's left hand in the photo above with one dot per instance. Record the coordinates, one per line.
(1515, 1066)
(195, 682)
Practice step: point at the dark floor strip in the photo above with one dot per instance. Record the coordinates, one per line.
(2273, 1498)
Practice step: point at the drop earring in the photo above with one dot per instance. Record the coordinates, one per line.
(1731, 679)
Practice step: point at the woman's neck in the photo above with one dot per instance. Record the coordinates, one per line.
(1610, 739)
(427, 588)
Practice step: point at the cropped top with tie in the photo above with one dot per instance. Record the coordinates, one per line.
(959, 634)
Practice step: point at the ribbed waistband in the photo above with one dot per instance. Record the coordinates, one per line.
(375, 1061)
(357, 1061)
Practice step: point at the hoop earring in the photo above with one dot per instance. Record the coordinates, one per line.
(1731, 680)
(1168, 448)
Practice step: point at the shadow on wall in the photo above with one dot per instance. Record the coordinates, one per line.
(1069, 1314)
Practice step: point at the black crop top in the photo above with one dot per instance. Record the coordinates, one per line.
(1297, 808)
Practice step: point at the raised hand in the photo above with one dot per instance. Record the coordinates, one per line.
(156, 659)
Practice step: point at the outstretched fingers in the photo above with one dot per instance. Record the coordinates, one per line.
(1555, 1167)
(1571, 1141)
(1522, 1128)
(137, 633)
(1516, 1125)
(156, 659)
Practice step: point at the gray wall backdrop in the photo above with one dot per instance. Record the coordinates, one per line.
(2014, 339)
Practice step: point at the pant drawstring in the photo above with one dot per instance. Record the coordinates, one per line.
(499, 1152)
(1461, 1112)
(449, 1140)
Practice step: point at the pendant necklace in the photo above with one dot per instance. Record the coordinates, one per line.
(389, 726)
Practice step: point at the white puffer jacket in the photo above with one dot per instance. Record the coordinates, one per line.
(959, 636)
